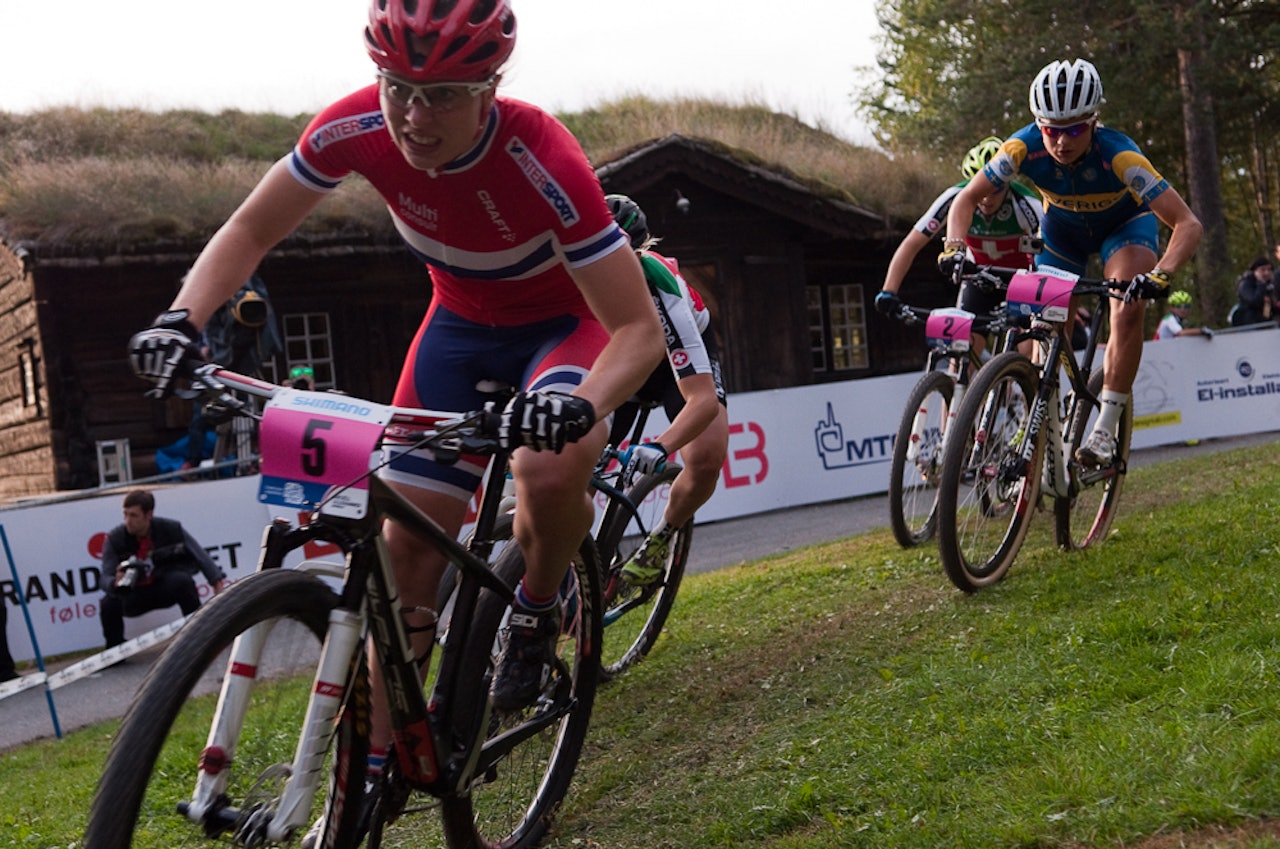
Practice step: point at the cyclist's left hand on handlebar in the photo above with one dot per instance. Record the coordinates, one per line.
(1154, 284)
(888, 302)
(543, 421)
(643, 459)
(164, 351)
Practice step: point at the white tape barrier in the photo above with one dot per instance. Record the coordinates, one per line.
(22, 683)
(113, 655)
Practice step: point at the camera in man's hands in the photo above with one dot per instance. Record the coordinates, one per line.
(134, 571)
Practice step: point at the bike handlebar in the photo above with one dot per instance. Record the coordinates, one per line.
(448, 433)
(992, 322)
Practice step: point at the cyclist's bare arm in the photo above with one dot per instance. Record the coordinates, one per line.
(272, 211)
(1171, 209)
(615, 291)
(963, 205)
(700, 409)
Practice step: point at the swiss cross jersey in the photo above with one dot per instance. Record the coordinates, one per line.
(683, 314)
(1106, 187)
(991, 240)
(499, 227)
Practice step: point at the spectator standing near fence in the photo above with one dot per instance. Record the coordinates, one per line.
(147, 564)
(1255, 294)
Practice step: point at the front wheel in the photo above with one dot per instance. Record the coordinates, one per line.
(988, 492)
(1085, 516)
(634, 615)
(165, 758)
(527, 758)
(917, 459)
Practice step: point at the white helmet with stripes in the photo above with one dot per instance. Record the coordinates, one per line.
(1066, 91)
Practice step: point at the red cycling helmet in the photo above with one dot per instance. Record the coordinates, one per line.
(440, 40)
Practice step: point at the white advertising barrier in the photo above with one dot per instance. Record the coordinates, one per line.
(787, 448)
(791, 447)
(57, 550)
(1193, 387)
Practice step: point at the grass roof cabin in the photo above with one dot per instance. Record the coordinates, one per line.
(787, 231)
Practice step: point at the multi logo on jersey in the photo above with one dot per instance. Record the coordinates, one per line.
(345, 128)
(542, 181)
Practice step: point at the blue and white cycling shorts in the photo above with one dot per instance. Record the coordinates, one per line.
(1069, 240)
(450, 356)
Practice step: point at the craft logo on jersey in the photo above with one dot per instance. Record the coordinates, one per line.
(343, 128)
(491, 207)
(542, 181)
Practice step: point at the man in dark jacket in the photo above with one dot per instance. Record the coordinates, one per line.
(1255, 294)
(147, 564)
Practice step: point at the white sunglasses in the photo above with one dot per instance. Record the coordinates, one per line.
(438, 97)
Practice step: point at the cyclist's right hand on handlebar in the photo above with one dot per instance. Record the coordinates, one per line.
(1154, 284)
(888, 302)
(951, 260)
(164, 351)
(543, 421)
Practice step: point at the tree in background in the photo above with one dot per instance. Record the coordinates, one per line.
(1193, 82)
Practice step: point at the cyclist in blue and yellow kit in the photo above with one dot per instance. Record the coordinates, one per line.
(1101, 196)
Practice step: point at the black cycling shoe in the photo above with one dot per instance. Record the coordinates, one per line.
(525, 663)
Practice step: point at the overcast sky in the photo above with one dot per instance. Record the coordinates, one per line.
(294, 56)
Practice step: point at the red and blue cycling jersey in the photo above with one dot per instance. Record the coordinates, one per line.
(1097, 204)
(499, 227)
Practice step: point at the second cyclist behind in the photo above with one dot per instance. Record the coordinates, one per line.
(999, 221)
(690, 388)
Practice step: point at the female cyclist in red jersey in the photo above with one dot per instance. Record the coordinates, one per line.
(533, 284)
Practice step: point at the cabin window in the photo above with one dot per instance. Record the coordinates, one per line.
(308, 342)
(837, 327)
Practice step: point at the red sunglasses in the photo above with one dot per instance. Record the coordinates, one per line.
(1072, 131)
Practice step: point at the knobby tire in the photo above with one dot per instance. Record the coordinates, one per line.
(152, 763)
(1085, 517)
(634, 616)
(511, 801)
(913, 482)
(986, 498)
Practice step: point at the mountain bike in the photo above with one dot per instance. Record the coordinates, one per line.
(926, 418)
(263, 699)
(1016, 433)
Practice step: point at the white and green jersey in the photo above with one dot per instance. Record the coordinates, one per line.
(994, 240)
(683, 314)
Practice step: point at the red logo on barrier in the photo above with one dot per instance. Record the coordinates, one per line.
(740, 457)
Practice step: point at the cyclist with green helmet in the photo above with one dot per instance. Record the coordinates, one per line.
(690, 388)
(1173, 324)
(999, 222)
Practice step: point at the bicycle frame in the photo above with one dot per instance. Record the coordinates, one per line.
(1053, 344)
(432, 754)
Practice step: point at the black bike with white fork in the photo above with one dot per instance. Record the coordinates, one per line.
(926, 418)
(1017, 432)
(258, 714)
